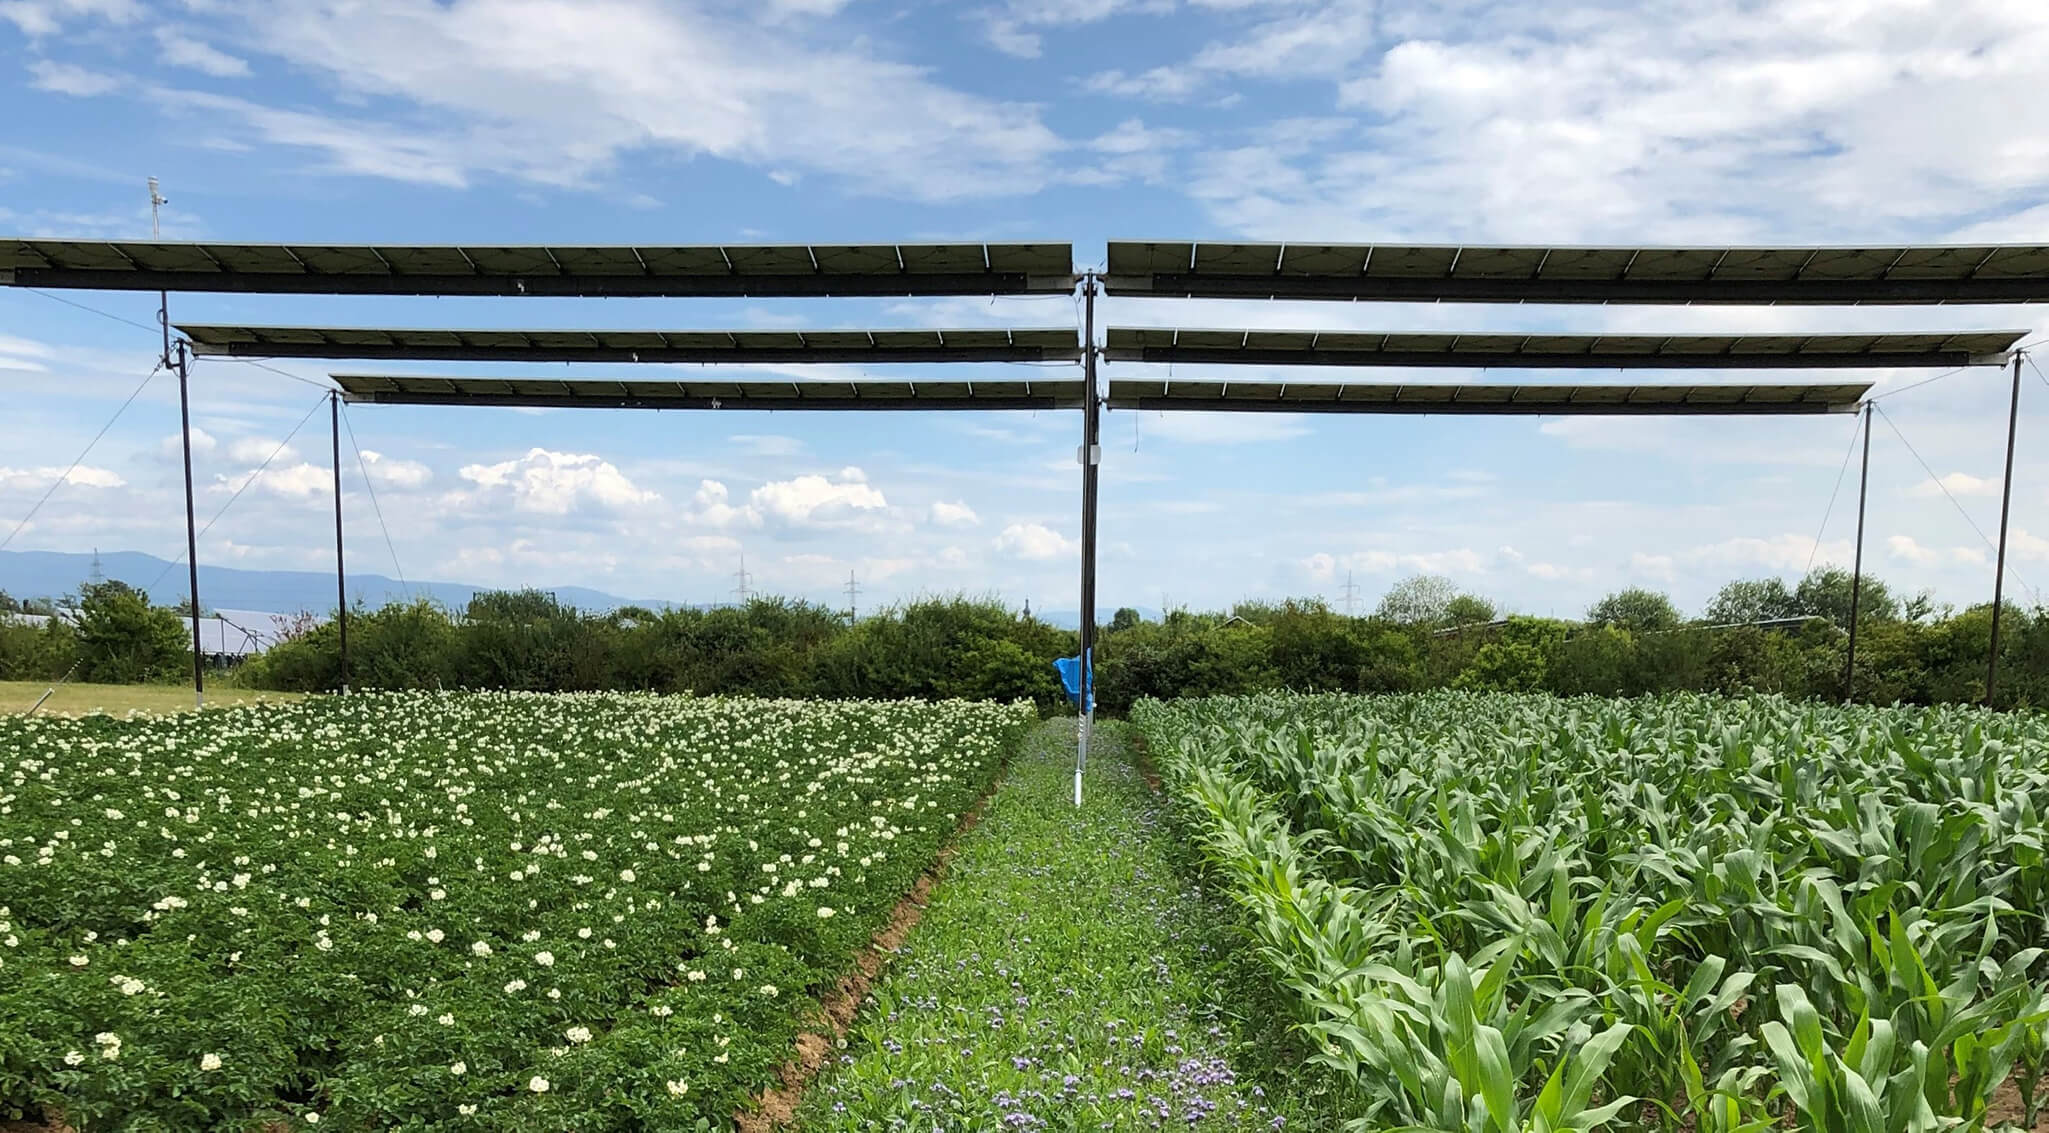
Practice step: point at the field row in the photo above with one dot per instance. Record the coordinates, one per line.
(1501, 912)
(489, 911)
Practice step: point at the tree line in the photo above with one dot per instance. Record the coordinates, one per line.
(1760, 635)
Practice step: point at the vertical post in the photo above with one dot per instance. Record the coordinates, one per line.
(1091, 457)
(191, 529)
(341, 588)
(2013, 417)
(1857, 562)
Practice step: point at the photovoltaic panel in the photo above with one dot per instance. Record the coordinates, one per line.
(879, 346)
(551, 270)
(1979, 273)
(1483, 399)
(391, 389)
(1547, 351)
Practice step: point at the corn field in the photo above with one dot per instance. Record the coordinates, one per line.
(1502, 913)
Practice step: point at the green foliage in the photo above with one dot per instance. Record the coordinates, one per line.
(1502, 914)
(36, 652)
(122, 639)
(453, 911)
(1751, 600)
(1635, 609)
(1422, 600)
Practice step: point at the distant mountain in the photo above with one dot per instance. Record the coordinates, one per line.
(52, 574)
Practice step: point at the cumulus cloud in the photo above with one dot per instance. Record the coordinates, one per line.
(1957, 484)
(1034, 541)
(394, 472)
(954, 514)
(808, 501)
(84, 476)
(556, 483)
(255, 450)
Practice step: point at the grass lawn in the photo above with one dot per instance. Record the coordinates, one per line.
(1065, 976)
(118, 700)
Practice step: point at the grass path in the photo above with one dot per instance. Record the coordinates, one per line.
(79, 699)
(1065, 975)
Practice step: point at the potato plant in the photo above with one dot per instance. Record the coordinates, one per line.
(452, 911)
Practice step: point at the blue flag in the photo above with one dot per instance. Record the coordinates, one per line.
(1069, 669)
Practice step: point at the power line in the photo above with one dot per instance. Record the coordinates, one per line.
(59, 482)
(248, 480)
(742, 576)
(1944, 489)
(374, 508)
(1833, 493)
(853, 598)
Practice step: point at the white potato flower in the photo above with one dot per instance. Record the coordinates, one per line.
(537, 1084)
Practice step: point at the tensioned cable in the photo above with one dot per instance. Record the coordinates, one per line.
(1919, 384)
(248, 480)
(374, 508)
(137, 392)
(157, 330)
(1944, 488)
(1833, 493)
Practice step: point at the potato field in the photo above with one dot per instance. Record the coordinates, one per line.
(485, 911)
(1498, 912)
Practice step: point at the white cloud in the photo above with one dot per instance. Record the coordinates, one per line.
(809, 501)
(1669, 120)
(556, 483)
(394, 472)
(181, 50)
(1957, 484)
(67, 78)
(24, 354)
(1034, 541)
(1223, 428)
(38, 18)
(1324, 566)
(1659, 567)
(767, 444)
(711, 505)
(558, 92)
(954, 514)
(255, 450)
(84, 476)
(203, 443)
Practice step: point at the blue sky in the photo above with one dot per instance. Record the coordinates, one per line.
(1581, 121)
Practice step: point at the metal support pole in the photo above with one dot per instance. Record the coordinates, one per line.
(341, 588)
(191, 529)
(1857, 562)
(1091, 459)
(2013, 418)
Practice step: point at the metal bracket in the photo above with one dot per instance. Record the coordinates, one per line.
(1088, 454)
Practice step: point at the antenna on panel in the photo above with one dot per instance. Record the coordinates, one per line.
(156, 201)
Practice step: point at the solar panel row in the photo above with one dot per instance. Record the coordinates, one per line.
(1544, 351)
(976, 345)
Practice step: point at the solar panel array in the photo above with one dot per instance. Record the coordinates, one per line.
(552, 270)
(645, 394)
(741, 346)
(1493, 399)
(1539, 351)
(1978, 273)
